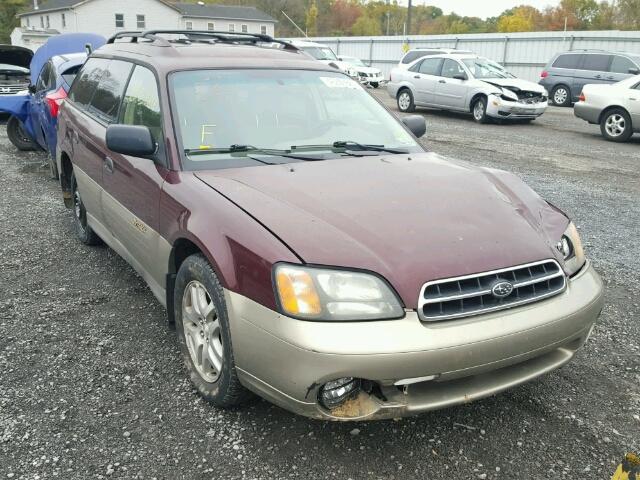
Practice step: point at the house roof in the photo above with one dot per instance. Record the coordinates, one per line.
(223, 11)
(186, 9)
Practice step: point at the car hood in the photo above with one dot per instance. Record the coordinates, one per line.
(16, 56)
(410, 218)
(516, 83)
(366, 69)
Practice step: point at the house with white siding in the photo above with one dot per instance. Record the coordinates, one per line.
(107, 17)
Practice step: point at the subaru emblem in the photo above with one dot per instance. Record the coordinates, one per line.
(502, 289)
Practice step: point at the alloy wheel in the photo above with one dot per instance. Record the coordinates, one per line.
(478, 110)
(404, 101)
(615, 125)
(202, 331)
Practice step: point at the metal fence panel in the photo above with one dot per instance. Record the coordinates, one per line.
(524, 54)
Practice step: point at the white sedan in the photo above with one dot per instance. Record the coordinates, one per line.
(616, 108)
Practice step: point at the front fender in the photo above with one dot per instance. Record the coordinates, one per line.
(18, 106)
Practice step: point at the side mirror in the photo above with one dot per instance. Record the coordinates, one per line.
(416, 124)
(32, 89)
(634, 71)
(461, 76)
(132, 140)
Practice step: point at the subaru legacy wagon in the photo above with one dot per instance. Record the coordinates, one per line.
(305, 244)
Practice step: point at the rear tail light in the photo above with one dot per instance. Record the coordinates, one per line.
(544, 74)
(582, 98)
(54, 100)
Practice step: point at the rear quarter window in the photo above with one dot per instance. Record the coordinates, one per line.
(85, 85)
(570, 60)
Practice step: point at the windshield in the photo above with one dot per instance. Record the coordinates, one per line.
(320, 53)
(628, 82)
(354, 61)
(483, 68)
(277, 110)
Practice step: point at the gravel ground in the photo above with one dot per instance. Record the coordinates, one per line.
(92, 386)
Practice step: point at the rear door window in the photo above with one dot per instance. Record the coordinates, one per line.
(108, 95)
(621, 64)
(570, 61)
(85, 86)
(431, 66)
(596, 62)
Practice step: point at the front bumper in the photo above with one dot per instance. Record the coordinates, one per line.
(587, 112)
(287, 360)
(379, 80)
(499, 108)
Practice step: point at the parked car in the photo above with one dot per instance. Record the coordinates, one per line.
(466, 83)
(312, 251)
(324, 54)
(420, 52)
(52, 68)
(368, 75)
(14, 82)
(616, 108)
(567, 73)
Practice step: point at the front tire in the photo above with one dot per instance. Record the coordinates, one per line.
(18, 135)
(84, 232)
(479, 110)
(202, 325)
(405, 101)
(561, 96)
(616, 125)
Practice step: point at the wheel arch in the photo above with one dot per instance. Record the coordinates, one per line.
(65, 171)
(614, 107)
(475, 98)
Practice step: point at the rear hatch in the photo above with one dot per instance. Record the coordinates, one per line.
(14, 69)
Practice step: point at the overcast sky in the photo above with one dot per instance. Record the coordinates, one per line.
(482, 8)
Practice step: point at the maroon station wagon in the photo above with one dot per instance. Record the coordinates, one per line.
(306, 246)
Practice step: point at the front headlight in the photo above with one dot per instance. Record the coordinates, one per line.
(312, 293)
(570, 246)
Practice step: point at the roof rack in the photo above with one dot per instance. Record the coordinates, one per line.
(201, 36)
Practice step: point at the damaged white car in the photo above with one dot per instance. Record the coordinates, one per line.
(467, 83)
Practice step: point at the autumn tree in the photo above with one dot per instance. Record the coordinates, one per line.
(520, 19)
(311, 21)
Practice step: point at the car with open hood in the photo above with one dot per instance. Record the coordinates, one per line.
(312, 251)
(51, 70)
(467, 83)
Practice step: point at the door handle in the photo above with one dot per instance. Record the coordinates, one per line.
(416, 76)
(108, 164)
(598, 76)
(442, 81)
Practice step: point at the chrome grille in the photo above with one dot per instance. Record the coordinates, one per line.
(12, 89)
(472, 294)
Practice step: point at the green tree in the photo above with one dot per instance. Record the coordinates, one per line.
(629, 14)
(366, 26)
(8, 20)
(311, 21)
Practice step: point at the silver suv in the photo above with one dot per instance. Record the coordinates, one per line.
(566, 73)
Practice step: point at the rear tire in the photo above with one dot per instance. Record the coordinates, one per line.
(84, 232)
(479, 110)
(202, 325)
(405, 101)
(18, 135)
(615, 125)
(561, 96)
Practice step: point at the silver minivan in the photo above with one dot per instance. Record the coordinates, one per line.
(566, 73)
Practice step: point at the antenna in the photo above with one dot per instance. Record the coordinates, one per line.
(294, 24)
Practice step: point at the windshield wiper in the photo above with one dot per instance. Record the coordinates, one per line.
(349, 146)
(249, 149)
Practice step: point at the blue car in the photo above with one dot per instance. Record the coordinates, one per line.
(33, 120)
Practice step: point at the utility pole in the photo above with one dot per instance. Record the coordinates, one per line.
(409, 18)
